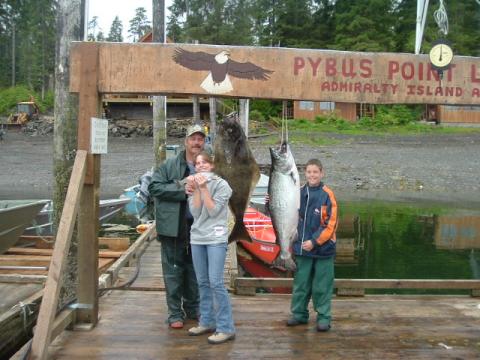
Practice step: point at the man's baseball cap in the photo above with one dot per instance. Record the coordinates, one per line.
(195, 129)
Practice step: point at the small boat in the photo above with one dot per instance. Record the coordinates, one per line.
(15, 216)
(42, 224)
(256, 257)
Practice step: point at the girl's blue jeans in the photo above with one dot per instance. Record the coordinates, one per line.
(215, 305)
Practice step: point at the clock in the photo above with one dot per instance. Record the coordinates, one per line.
(441, 55)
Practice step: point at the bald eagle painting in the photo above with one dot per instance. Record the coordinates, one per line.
(219, 66)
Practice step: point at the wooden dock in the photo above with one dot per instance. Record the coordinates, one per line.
(133, 326)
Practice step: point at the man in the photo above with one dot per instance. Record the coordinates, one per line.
(173, 222)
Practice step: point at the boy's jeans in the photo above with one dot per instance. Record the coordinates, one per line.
(215, 307)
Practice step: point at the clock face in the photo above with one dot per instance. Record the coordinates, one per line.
(441, 55)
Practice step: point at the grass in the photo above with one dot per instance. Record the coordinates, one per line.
(316, 132)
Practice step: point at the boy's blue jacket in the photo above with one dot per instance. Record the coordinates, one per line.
(318, 221)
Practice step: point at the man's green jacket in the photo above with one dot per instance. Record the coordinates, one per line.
(169, 196)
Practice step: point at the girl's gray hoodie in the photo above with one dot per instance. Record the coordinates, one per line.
(210, 226)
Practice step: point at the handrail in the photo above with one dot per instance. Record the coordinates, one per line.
(248, 285)
(48, 307)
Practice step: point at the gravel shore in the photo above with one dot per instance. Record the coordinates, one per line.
(439, 168)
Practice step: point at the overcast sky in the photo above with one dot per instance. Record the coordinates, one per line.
(106, 10)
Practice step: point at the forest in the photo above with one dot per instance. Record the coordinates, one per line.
(28, 29)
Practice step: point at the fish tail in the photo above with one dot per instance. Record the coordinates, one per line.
(239, 232)
(287, 264)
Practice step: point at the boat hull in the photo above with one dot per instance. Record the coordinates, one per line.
(15, 217)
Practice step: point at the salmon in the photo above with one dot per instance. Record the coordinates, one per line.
(284, 202)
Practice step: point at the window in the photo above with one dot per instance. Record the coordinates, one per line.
(327, 105)
(306, 105)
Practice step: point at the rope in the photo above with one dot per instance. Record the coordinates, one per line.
(441, 18)
(26, 312)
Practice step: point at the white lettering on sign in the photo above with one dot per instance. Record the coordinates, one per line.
(99, 136)
(266, 248)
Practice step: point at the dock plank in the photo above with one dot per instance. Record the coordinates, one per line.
(375, 327)
(134, 326)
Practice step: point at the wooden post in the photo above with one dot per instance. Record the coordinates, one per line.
(159, 102)
(89, 106)
(244, 105)
(212, 102)
(196, 109)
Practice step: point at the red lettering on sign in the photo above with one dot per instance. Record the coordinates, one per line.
(314, 65)
(393, 68)
(408, 71)
(330, 68)
(475, 77)
(365, 67)
(348, 71)
(298, 64)
(476, 92)
(420, 71)
(431, 72)
(411, 89)
(449, 91)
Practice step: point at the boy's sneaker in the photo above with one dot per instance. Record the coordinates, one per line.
(294, 322)
(323, 327)
(219, 338)
(199, 330)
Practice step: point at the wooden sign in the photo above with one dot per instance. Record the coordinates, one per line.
(279, 73)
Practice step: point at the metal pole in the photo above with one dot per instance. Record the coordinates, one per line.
(13, 54)
(422, 7)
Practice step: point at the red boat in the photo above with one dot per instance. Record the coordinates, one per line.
(256, 257)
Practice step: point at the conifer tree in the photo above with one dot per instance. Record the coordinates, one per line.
(115, 34)
(139, 25)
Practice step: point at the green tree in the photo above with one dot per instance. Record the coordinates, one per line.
(404, 23)
(139, 25)
(322, 33)
(115, 34)
(211, 22)
(265, 18)
(100, 36)
(92, 29)
(364, 25)
(295, 23)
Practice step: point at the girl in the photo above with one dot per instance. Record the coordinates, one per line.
(209, 239)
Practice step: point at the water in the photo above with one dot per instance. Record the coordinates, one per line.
(385, 240)
(392, 240)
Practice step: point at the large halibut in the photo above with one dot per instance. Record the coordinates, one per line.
(235, 163)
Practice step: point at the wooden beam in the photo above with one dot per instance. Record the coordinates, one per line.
(18, 278)
(41, 339)
(134, 251)
(249, 283)
(288, 74)
(89, 106)
(46, 242)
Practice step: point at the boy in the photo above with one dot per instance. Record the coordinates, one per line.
(314, 250)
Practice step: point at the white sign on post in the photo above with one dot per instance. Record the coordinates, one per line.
(98, 136)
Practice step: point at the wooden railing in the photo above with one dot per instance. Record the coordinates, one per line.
(48, 322)
(356, 287)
